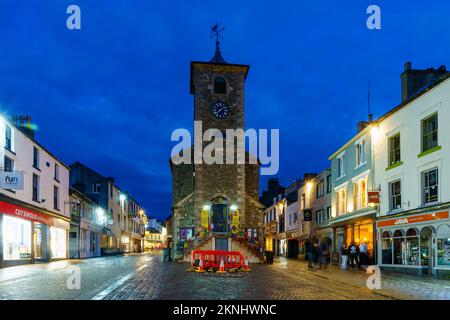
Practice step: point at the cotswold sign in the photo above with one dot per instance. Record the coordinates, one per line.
(11, 180)
(413, 219)
(13, 210)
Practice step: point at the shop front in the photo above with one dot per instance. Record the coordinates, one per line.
(125, 242)
(90, 239)
(292, 244)
(281, 245)
(358, 229)
(271, 236)
(28, 236)
(418, 243)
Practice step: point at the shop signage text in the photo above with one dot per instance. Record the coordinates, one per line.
(11, 209)
(12, 180)
(413, 219)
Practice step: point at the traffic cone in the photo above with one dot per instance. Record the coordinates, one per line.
(200, 266)
(246, 269)
(222, 267)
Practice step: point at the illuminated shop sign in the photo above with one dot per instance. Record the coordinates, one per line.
(413, 219)
(12, 180)
(11, 209)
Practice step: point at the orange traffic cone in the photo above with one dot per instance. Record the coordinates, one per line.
(200, 266)
(222, 267)
(246, 269)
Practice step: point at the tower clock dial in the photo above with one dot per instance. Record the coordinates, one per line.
(220, 110)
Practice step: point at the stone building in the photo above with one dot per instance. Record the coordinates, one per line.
(214, 205)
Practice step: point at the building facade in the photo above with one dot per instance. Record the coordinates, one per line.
(321, 207)
(34, 211)
(352, 176)
(412, 168)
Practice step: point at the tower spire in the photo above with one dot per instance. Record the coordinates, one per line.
(216, 32)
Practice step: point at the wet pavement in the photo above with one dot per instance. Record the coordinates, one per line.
(146, 276)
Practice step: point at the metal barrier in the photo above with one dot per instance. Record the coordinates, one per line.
(212, 258)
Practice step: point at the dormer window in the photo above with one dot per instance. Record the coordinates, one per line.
(220, 85)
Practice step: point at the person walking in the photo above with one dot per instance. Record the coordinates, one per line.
(363, 255)
(309, 252)
(316, 253)
(344, 255)
(353, 252)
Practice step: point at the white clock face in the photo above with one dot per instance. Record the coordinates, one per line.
(220, 110)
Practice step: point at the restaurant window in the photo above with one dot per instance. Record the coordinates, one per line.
(386, 248)
(399, 247)
(412, 247)
(363, 193)
(35, 188)
(395, 197)
(430, 132)
(430, 186)
(58, 242)
(394, 149)
(341, 205)
(8, 139)
(36, 157)
(220, 85)
(16, 238)
(355, 196)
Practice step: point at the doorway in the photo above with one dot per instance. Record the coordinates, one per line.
(220, 217)
(426, 250)
(221, 244)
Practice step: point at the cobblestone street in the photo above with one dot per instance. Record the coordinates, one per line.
(147, 277)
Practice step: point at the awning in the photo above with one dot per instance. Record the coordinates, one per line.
(107, 232)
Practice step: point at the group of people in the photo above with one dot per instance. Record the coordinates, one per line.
(354, 255)
(317, 252)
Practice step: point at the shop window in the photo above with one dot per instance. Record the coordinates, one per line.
(425, 246)
(58, 242)
(16, 239)
(386, 248)
(399, 247)
(412, 247)
(220, 86)
(443, 252)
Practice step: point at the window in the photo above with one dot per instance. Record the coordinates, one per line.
(360, 154)
(355, 196)
(16, 239)
(340, 164)
(96, 188)
(430, 186)
(320, 188)
(329, 183)
(56, 172)
(8, 144)
(36, 157)
(395, 198)
(363, 193)
(328, 213)
(430, 132)
(35, 187)
(386, 248)
(220, 86)
(394, 149)
(321, 218)
(8, 164)
(341, 205)
(55, 198)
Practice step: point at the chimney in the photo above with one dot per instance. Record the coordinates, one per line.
(363, 124)
(416, 80)
(23, 123)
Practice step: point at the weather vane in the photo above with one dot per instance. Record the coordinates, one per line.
(216, 32)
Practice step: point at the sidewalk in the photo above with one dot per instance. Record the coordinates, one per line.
(395, 285)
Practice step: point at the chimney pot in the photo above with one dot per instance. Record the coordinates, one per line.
(408, 65)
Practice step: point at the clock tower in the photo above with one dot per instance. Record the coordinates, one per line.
(222, 201)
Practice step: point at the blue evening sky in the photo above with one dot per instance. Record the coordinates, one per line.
(110, 94)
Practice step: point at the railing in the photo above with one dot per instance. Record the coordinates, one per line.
(212, 258)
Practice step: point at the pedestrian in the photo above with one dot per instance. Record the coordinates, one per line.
(344, 255)
(309, 253)
(316, 252)
(353, 252)
(363, 254)
(323, 252)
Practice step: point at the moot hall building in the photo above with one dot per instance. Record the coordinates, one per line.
(216, 206)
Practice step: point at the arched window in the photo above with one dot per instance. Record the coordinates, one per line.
(220, 86)
(386, 234)
(398, 233)
(411, 232)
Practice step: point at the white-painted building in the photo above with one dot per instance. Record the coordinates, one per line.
(34, 211)
(411, 152)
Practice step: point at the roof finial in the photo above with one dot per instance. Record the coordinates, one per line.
(216, 32)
